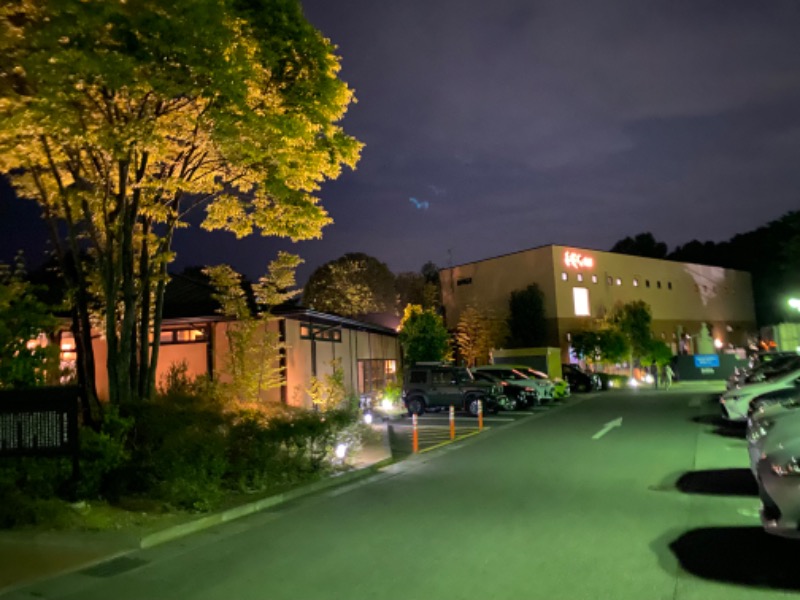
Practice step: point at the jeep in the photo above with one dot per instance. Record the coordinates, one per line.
(437, 386)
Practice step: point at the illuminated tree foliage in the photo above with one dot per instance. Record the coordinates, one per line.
(527, 326)
(477, 333)
(252, 363)
(353, 285)
(23, 319)
(120, 118)
(423, 335)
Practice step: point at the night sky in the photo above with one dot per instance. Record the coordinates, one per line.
(491, 127)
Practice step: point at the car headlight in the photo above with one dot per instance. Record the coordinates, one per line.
(790, 468)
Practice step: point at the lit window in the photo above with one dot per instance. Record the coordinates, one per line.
(619, 281)
(579, 276)
(635, 282)
(305, 331)
(594, 278)
(580, 297)
(563, 276)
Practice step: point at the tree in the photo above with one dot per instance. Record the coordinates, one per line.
(607, 345)
(421, 288)
(657, 352)
(120, 119)
(526, 321)
(27, 357)
(644, 244)
(423, 335)
(254, 349)
(477, 333)
(633, 320)
(352, 285)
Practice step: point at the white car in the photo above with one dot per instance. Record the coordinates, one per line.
(778, 476)
(768, 433)
(736, 402)
(545, 390)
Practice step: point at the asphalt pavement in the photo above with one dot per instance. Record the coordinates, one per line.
(633, 494)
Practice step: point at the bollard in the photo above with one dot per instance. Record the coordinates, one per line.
(452, 422)
(480, 415)
(415, 434)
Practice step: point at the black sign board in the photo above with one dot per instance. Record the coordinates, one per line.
(39, 421)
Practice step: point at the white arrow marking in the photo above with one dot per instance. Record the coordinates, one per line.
(607, 427)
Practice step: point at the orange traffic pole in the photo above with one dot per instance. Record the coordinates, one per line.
(480, 415)
(415, 434)
(452, 422)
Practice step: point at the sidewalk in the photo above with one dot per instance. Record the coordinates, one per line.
(30, 556)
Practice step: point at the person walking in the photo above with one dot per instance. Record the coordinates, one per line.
(668, 375)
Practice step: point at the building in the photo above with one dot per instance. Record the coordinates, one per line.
(192, 333)
(581, 286)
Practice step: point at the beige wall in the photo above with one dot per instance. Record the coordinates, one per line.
(354, 345)
(688, 296)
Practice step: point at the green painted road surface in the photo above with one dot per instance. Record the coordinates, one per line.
(639, 495)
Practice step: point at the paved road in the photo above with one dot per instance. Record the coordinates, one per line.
(569, 504)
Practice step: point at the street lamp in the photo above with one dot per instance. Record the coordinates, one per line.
(794, 303)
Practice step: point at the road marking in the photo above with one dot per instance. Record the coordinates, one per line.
(607, 427)
(695, 403)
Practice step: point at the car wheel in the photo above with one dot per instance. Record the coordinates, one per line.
(472, 405)
(416, 406)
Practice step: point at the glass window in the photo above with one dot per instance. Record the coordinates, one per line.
(579, 276)
(594, 278)
(619, 281)
(374, 374)
(305, 331)
(669, 285)
(580, 298)
(647, 283)
(464, 281)
(564, 276)
(609, 280)
(658, 284)
(416, 376)
(635, 282)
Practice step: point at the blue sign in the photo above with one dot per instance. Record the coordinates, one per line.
(705, 361)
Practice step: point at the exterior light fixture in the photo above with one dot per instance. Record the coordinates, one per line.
(718, 343)
(794, 303)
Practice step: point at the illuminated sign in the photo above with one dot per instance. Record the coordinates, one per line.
(576, 260)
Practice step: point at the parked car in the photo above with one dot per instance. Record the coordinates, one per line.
(580, 380)
(778, 476)
(772, 402)
(561, 388)
(428, 386)
(764, 365)
(735, 403)
(508, 373)
(767, 434)
(517, 394)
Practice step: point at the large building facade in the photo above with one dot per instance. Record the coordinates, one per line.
(582, 286)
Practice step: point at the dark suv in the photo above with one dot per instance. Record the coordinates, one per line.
(436, 386)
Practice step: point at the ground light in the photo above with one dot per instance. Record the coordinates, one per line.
(368, 418)
(341, 450)
(633, 383)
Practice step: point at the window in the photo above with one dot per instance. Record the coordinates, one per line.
(321, 333)
(579, 276)
(569, 337)
(564, 276)
(594, 278)
(375, 373)
(635, 282)
(580, 298)
(658, 284)
(185, 335)
(418, 376)
(669, 285)
(609, 280)
(647, 283)
(464, 281)
(619, 281)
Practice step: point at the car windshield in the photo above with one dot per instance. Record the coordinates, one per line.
(533, 373)
(512, 375)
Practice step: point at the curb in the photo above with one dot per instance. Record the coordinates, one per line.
(237, 512)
